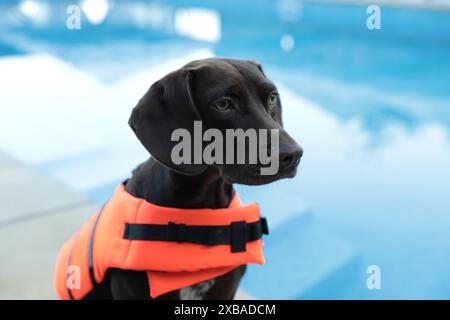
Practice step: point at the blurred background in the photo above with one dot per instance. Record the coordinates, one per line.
(370, 107)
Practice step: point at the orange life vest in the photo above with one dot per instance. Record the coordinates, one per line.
(176, 247)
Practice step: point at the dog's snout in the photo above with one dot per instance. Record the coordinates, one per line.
(291, 158)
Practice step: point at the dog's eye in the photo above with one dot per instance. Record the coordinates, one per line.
(224, 104)
(273, 97)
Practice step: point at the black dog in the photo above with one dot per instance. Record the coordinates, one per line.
(223, 94)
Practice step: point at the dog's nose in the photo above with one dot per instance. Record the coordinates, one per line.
(291, 158)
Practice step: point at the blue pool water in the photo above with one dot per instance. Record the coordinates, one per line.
(370, 107)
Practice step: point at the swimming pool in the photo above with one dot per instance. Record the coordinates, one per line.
(371, 109)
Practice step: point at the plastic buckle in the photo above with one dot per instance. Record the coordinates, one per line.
(181, 232)
(176, 232)
(238, 236)
(264, 226)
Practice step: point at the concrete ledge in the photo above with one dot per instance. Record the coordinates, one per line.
(26, 193)
(28, 252)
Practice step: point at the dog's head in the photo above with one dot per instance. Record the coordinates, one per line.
(234, 100)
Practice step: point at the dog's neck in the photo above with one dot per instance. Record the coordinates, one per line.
(161, 186)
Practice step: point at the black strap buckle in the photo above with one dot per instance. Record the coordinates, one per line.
(176, 232)
(238, 236)
(264, 226)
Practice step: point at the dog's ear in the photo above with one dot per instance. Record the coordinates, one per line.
(167, 106)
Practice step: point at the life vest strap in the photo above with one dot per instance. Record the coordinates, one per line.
(237, 234)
